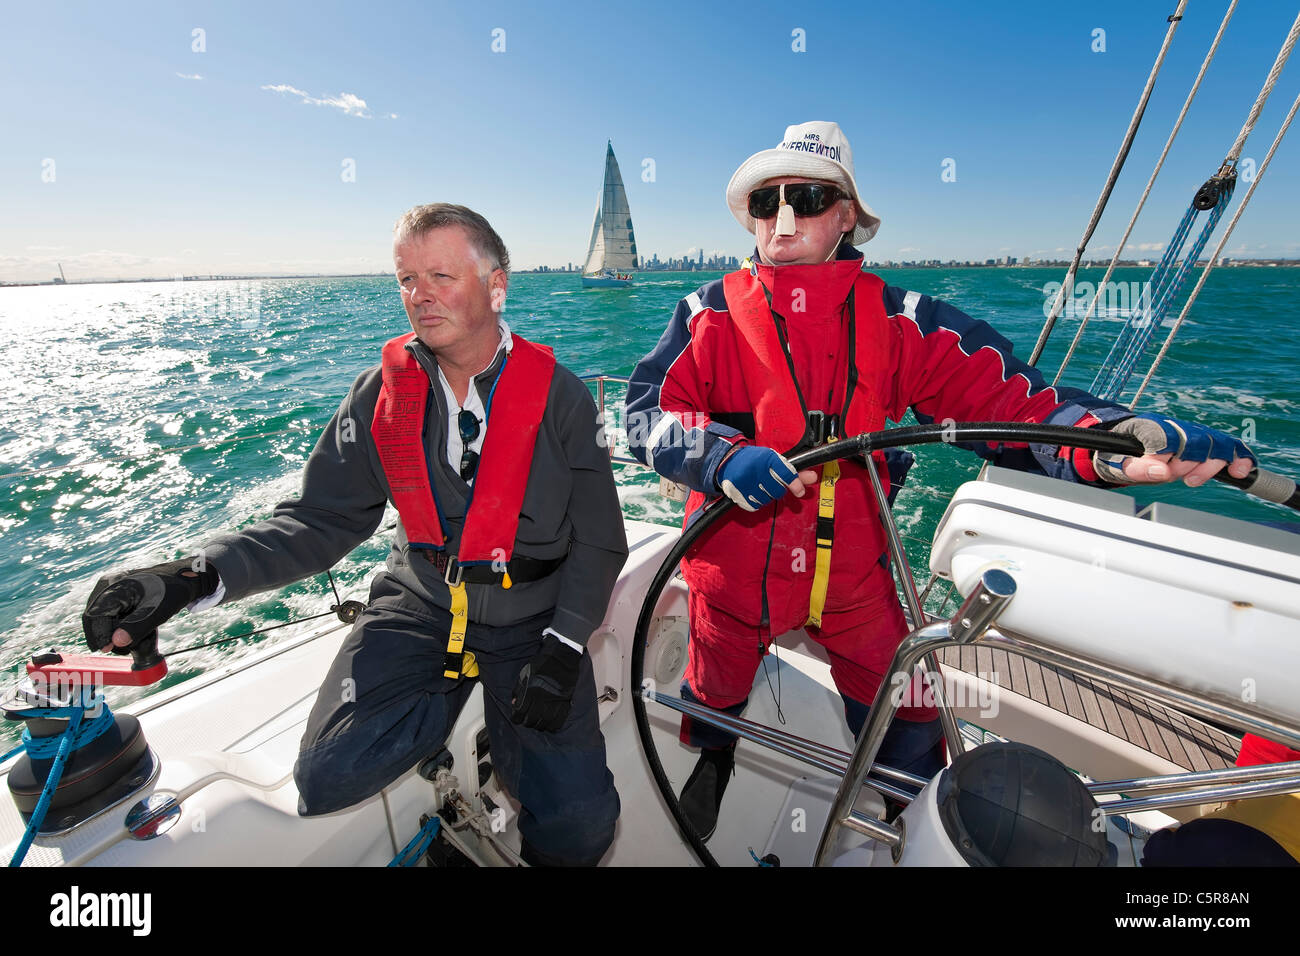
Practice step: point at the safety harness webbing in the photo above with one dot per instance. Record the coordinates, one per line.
(825, 538)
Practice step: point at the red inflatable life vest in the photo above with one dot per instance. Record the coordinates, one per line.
(779, 414)
(515, 408)
(729, 563)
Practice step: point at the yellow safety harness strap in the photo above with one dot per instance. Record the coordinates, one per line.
(462, 660)
(825, 536)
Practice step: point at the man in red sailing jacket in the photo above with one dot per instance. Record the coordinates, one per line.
(509, 544)
(799, 346)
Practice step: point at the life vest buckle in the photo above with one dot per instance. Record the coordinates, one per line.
(821, 428)
(454, 573)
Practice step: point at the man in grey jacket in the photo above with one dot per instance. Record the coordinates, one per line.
(547, 545)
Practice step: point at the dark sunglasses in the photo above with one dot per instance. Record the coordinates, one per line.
(806, 199)
(468, 425)
(468, 465)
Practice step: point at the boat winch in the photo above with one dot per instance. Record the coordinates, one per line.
(80, 758)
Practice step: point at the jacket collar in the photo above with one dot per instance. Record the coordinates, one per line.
(482, 381)
(816, 289)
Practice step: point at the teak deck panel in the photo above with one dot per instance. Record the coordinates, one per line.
(1175, 736)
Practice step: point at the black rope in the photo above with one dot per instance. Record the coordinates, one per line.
(260, 630)
(771, 638)
(776, 694)
(345, 611)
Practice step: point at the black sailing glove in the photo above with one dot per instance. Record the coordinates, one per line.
(544, 692)
(138, 601)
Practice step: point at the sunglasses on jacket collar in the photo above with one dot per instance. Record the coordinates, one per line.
(468, 424)
(806, 199)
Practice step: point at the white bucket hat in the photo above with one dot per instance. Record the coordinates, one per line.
(816, 150)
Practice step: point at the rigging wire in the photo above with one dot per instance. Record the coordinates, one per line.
(1269, 82)
(1214, 256)
(1168, 280)
(1205, 65)
(1214, 195)
(1132, 341)
(1116, 166)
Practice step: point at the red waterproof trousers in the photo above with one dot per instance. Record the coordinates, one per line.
(725, 652)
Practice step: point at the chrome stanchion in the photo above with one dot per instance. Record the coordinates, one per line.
(897, 554)
(986, 601)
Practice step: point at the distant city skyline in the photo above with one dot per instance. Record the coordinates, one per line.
(185, 139)
(679, 265)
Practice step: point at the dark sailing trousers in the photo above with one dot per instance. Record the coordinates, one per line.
(385, 705)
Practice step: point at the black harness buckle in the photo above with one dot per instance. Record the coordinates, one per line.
(453, 661)
(821, 427)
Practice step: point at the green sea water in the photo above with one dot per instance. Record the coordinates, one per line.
(142, 418)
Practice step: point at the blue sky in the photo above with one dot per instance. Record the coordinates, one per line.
(127, 152)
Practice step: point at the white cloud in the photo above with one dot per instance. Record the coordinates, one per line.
(349, 103)
(1149, 246)
(909, 249)
(392, 116)
(189, 76)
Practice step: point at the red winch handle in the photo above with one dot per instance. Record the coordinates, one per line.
(145, 666)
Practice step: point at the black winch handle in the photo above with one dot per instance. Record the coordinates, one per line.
(145, 653)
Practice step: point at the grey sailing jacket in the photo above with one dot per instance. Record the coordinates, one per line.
(570, 505)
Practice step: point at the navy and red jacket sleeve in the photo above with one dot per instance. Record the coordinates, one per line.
(950, 366)
(668, 428)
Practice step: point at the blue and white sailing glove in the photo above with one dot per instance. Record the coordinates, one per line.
(1160, 435)
(753, 475)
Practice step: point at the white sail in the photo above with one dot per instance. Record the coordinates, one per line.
(596, 248)
(613, 244)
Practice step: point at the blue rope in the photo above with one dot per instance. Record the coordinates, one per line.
(1162, 307)
(412, 852)
(1166, 283)
(43, 748)
(77, 734)
(1105, 384)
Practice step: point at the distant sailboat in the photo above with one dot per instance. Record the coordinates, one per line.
(611, 254)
